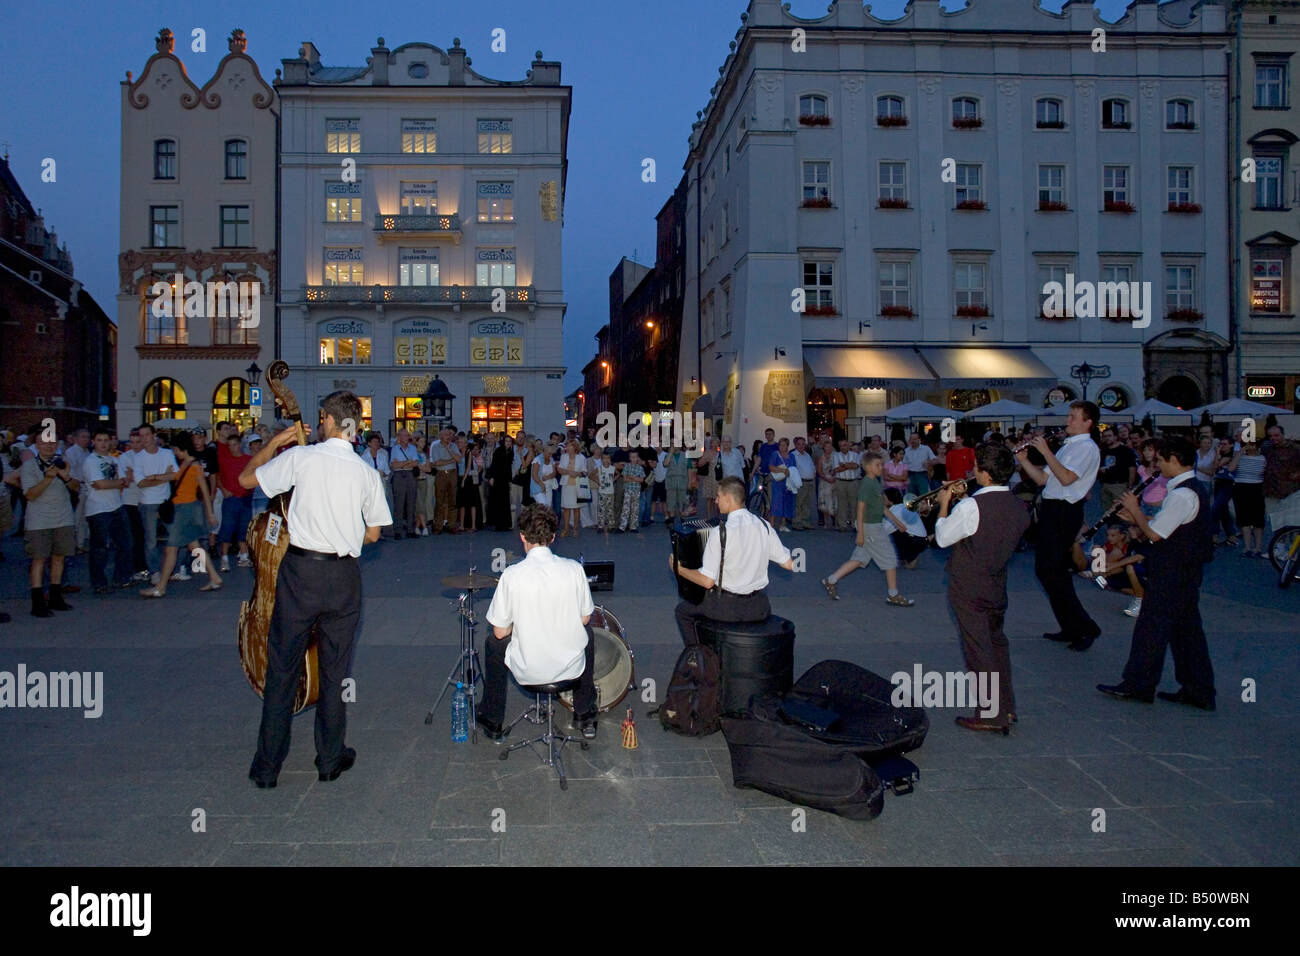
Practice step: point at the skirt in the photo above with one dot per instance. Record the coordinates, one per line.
(568, 496)
(1248, 500)
(189, 524)
(708, 486)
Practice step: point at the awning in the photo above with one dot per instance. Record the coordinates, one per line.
(855, 367)
(987, 368)
(704, 406)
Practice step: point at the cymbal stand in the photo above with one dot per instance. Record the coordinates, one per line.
(467, 669)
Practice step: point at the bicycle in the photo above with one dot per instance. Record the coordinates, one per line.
(758, 502)
(1284, 552)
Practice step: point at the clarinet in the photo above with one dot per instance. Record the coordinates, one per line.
(1115, 509)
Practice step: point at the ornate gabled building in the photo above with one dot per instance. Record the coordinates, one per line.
(877, 206)
(422, 209)
(198, 201)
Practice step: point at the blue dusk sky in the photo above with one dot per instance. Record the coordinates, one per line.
(639, 72)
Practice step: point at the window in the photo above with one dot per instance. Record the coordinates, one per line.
(706, 319)
(419, 199)
(1270, 84)
(1180, 288)
(813, 110)
(163, 398)
(1049, 113)
(495, 343)
(343, 136)
(342, 202)
(726, 159)
(1051, 187)
(496, 136)
(344, 266)
(1115, 186)
(345, 351)
(165, 226)
(726, 306)
(1115, 114)
(496, 202)
(227, 325)
(230, 403)
(164, 159)
(418, 266)
(969, 190)
(710, 245)
(819, 287)
(1050, 272)
(236, 226)
(419, 136)
(816, 183)
(163, 329)
(893, 185)
(969, 283)
(726, 222)
(1269, 268)
(966, 113)
(495, 268)
(236, 159)
(420, 348)
(1115, 275)
(1268, 182)
(497, 414)
(1179, 114)
(1180, 186)
(895, 288)
(890, 111)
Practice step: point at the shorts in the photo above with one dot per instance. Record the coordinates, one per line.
(236, 513)
(877, 547)
(659, 492)
(46, 542)
(189, 524)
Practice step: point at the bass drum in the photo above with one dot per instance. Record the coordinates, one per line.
(615, 665)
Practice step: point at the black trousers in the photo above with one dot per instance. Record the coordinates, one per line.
(1171, 617)
(1058, 526)
(326, 595)
(404, 494)
(984, 644)
(496, 677)
(721, 606)
(136, 527)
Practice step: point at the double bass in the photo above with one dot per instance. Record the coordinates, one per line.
(268, 540)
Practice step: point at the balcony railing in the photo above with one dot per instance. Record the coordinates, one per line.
(417, 223)
(419, 294)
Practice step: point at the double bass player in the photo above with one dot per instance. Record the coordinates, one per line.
(337, 506)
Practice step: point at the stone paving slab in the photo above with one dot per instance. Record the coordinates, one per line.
(1179, 787)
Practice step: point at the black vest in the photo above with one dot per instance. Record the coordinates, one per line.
(1190, 545)
(978, 564)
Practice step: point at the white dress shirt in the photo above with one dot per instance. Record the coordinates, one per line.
(336, 495)
(544, 598)
(409, 453)
(1080, 455)
(1181, 505)
(751, 543)
(964, 519)
(376, 462)
(849, 457)
(807, 467)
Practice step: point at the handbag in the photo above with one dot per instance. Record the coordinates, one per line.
(584, 488)
(167, 510)
(717, 469)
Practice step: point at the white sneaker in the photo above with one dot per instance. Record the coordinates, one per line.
(1134, 607)
(182, 575)
(243, 562)
(225, 563)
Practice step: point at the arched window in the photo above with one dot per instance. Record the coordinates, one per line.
(890, 111)
(164, 159)
(966, 113)
(1180, 391)
(828, 410)
(1049, 113)
(813, 110)
(163, 398)
(230, 403)
(236, 159)
(1180, 114)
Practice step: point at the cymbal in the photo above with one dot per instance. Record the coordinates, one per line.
(469, 582)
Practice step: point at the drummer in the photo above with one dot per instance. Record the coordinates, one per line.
(539, 617)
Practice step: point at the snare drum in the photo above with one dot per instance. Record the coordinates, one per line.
(614, 664)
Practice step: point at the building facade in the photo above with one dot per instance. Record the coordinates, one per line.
(58, 345)
(597, 381)
(881, 205)
(422, 209)
(1265, 128)
(198, 202)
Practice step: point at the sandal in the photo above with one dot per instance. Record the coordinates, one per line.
(897, 600)
(212, 587)
(830, 589)
(152, 592)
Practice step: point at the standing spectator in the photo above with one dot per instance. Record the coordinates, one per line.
(572, 467)
(152, 468)
(236, 500)
(1118, 471)
(895, 470)
(1281, 469)
(657, 487)
(501, 470)
(1249, 470)
(544, 475)
(1207, 460)
(75, 450)
(778, 468)
(48, 523)
(803, 498)
(917, 457)
(260, 501)
(634, 479)
(521, 479)
(469, 475)
(938, 467)
(607, 518)
(487, 448)
(732, 459)
(376, 456)
(677, 478)
(847, 469)
(404, 461)
(826, 484)
(708, 468)
(872, 543)
(762, 459)
(960, 460)
(1223, 483)
(445, 457)
(190, 520)
(1154, 493)
(588, 509)
(206, 454)
(131, 502)
(102, 479)
(423, 488)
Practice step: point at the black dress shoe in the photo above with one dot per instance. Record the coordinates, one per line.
(1182, 697)
(492, 731)
(1124, 692)
(345, 763)
(1060, 637)
(987, 724)
(262, 784)
(589, 728)
(1083, 643)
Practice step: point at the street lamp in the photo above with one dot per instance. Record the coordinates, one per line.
(436, 402)
(1085, 373)
(254, 374)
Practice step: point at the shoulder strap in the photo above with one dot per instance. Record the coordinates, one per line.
(179, 479)
(722, 558)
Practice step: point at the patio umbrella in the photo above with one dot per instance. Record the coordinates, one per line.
(1238, 408)
(919, 411)
(167, 424)
(1154, 408)
(1002, 410)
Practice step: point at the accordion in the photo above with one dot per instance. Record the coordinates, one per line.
(689, 537)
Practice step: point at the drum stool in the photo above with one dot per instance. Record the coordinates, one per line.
(543, 712)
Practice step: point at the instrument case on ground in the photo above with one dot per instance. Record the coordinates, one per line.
(757, 658)
(783, 760)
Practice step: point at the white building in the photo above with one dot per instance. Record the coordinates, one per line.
(441, 254)
(922, 179)
(198, 199)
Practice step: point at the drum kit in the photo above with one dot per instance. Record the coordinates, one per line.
(614, 664)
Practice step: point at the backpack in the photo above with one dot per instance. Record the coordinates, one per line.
(693, 704)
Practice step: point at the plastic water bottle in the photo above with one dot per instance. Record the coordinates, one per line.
(459, 715)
